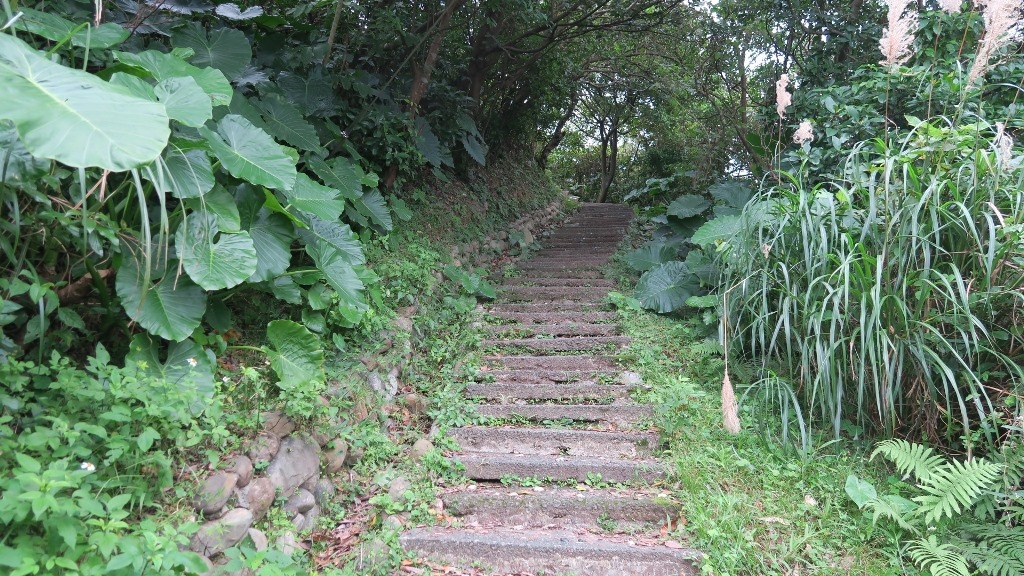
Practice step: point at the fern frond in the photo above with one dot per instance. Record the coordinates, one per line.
(909, 458)
(939, 559)
(894, 507)
(994, 549)
(954, 487)
(706, 348)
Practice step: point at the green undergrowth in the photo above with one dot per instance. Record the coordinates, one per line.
(748, 504)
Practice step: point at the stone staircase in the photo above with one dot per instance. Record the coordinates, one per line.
(562, 412)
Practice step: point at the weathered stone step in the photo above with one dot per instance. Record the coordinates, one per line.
(495, 466)
(553, 306)
(506, 393)
(555, 442)
(548, 293)
(619, 415)
(573, 344)
(527, 318)
(544, 281)
(557, 506)
(515, 330)
(550, 362)
(526, 376)
(560, 272)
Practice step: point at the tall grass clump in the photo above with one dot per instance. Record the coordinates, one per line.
(880, 278)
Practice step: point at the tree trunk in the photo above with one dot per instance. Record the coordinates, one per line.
(609, 159)
(559, 134)
(421, 78)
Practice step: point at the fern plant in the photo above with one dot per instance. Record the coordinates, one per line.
(961, 519)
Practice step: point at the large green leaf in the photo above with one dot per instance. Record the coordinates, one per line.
(214, 260)
(430, 146)
(338, 272)
(226, 49)
(310, 92)
(665, 288)
(165, 304)
(16, 163)
(372, 205)
(221, 204)
(250, 153)
(651, 255)
(73, 116)
(315, 198)
(716, 231)
(732, 194)
(340, 173)
(272, 235)
(55, 28)
(185, 100)
(187, 363)
(688, 205)
(334, 233)
(295, 354)
(286, 122)
(163, 66)
(186, 172)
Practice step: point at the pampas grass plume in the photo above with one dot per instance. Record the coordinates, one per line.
(730, 409)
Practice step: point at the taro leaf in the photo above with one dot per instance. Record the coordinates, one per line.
(716, 231)
(240, 105)
(372, 206)
(284, 121)
(137, 86)
(53, 27)
(476, 148)
(651, 255)
(185, 101)
(335, 234)
(218, 315)
(221, 204)
(311, 93)
(400, 208)
(75, 117)
(185, 7)
(284, 288)
(187, 173)
(706, 301)
(163, 66)
(678, 231)
(16, 163)
(687, 206)
(232, 12)
(226, 49)
(214, 260)
(427, 142)
(665, 288)
(732, 194)
(295, 354)
(860, 491)
(251, 76)
(167, 305)
(702, 267)
(338, 272)
(250, 153)
(341, 174)
(315, 198)
(187, 364)
(272, 235)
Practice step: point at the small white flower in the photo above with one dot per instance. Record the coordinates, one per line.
(192, 362)
(88, 466)
(225, 379)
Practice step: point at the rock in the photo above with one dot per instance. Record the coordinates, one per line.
(527, 237)
(420, 448)
(393, 522)
(242, 467)
(398, 487)
(278, 424)
(407, 311)
(263, 448)
(214, 492)
(371, 554)
(355, 454)
(258, 496)
(360, 411)
(374, 381)
(287, 543)
(404, 324)
(334, 455)
(630, 379)
(259, 539)
(320, 437)
(299, 502)
(310, 484)
(393, 383)
(324, 492)
(416, 403)
(218, 535)
(309, 519)
(296, 461)
(297, 521)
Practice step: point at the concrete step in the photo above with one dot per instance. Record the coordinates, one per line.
(548, 293)
(549, 376)
(575, 392)
(527, 318)
(594, 274)
(555, 442)
(550, 362)
(555, 506)
(553, 306)
(560, 282)
(566, 329)
(495, 466)
(619, 416)
(573, 344)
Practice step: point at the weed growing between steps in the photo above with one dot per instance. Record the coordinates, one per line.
(750, 506)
